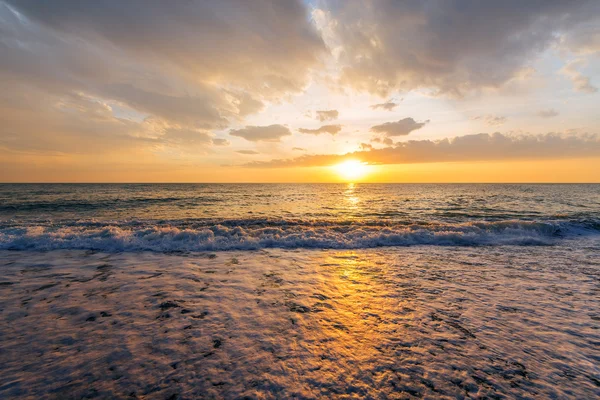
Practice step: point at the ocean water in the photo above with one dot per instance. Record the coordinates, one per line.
(299, 291)
(213, 217)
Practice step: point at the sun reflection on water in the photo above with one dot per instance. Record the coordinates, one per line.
(350, 196)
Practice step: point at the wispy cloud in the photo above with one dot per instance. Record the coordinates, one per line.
(491, 120)
(581, 83)
(549, 113)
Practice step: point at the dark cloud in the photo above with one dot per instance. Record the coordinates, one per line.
(480, 147)
(271, 133)
(327, 115)
(449, 46)
(298, 149)
(331, 129)
(398, 128)
(213, 40)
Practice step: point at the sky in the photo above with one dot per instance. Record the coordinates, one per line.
(287, 91)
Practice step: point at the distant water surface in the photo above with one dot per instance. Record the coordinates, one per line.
(197, 217)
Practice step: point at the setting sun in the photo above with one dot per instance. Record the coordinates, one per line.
(351, 170)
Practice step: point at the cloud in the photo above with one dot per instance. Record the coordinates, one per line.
(195, 67)
(398, 128)
(34, 121)
(584, 39)
(144, 76)
(451, 47)
(248, 152)
(298, 149)
(469, 148)
(388, 106)
(491, 120)
(37, 122)
(549, 113)
(383, 140)
(366, 146)
(271, 133)
(581, 83)
(327, 115)
(188, 137)
(216, 41)
(192, 111)
(221, 142)
(246, 104)
(331, 129)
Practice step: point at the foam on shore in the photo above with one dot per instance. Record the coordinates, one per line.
(169, 236)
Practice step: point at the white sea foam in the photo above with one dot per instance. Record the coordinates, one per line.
(253, 235)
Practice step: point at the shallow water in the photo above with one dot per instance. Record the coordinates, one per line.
(396, 322)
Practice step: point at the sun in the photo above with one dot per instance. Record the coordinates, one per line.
(351, 170)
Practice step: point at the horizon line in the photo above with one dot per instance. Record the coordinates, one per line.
(301, 183)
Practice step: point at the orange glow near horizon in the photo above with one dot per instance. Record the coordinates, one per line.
(86, 168)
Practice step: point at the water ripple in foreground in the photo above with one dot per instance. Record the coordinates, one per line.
(389, 323)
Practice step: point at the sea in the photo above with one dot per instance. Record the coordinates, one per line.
(217, 217)
(304, 291)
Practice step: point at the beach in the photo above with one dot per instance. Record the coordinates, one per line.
(299, 291)
(423, 321)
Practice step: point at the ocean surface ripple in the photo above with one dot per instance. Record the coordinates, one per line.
(177, 217)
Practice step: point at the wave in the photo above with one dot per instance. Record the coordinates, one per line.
(194, 235)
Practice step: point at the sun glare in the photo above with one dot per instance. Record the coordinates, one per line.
(351, 170)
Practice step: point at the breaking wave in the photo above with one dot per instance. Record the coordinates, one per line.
(174, 236)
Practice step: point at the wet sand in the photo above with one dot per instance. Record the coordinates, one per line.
(431, 322)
